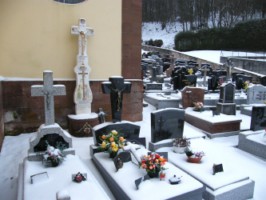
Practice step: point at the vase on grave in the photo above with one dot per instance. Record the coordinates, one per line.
(112, 154)
(180, 145)
(154, 174)
(153, 163)
(179, 149)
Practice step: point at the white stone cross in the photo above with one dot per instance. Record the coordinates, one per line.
(48, 90)
(83, 31)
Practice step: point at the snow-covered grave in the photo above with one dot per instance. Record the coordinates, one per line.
(122, 182)
(173, 99)
(58, 182)
(214, 125)
(163, 100)
(253, 142)
(50, 168)
(231, 183)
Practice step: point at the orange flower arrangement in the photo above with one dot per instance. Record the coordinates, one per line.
(112, 142)
(153, 163)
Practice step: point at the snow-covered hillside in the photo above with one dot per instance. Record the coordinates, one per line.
(154, 31)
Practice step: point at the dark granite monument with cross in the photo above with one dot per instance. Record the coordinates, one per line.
(50, 131)
(116, 87)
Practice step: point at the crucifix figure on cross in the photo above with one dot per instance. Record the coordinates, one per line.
(116, 87)
(83, 31)
(48, 91)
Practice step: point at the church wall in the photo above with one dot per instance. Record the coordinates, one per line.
(131, 37)
(36, 36)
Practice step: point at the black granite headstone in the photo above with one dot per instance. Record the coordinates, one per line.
(190, 80)
(234, 74)
(128, 130)
(116, 87)
(219, 73)
(212, 83)
(167, 123)
(241, 79)
(263, 80)
(227, 93)
(177, 81)
(258, 118)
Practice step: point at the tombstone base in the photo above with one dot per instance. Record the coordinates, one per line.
(213, 126)
(226, 108)
(81, 125)
(83, 109)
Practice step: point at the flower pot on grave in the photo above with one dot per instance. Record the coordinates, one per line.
(154, 174)
(112, 154)
(178, 149)
(198, 109)
(193, 159)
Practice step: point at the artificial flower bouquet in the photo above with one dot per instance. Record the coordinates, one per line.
(112, 142)
(153, 164)
(52, 156)
(198, 106)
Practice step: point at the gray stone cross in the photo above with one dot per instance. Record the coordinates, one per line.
(48, 90)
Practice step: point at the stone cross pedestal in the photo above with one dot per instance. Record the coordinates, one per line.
(116, 87)
(82, 94)
(48, 90)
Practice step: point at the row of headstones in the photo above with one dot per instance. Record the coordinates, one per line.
(50, 131)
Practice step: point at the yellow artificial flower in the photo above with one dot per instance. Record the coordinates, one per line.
(103, 145)
(121, 139)
(114, 132)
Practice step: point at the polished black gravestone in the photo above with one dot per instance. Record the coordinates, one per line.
(167, 123)
(177, 81)
(116, 87)
(226, 104)
(128, 130)
(212, 83)
(258, 118)
(241, 79)
(263, 80)
(219, 73)
(190, 80)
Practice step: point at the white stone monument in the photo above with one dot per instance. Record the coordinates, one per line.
(83, 94)
(81, 122)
